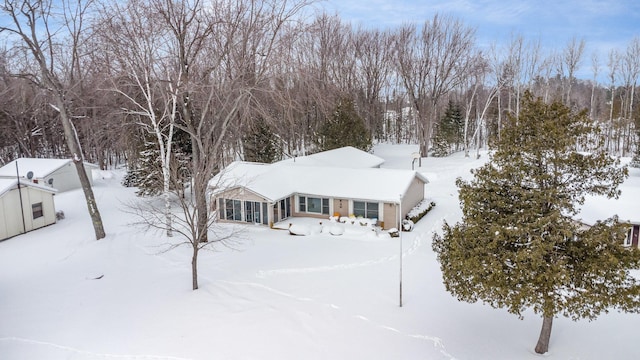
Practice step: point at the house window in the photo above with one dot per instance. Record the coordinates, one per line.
(628, 239)
(36, 209)
(303, 204)
(252, 211)
(313, 205)
(265, 214)
(366, 209)
(233, 209)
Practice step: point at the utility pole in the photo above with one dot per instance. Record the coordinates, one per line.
(400, 237)
(24, 225)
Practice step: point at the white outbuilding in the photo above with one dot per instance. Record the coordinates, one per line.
(59, 174)
(24, 206)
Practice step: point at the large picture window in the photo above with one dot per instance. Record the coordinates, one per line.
(313, 205)
(366, 209)
(248, 211)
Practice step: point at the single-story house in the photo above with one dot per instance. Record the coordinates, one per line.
(269, 193)
(24, 206)
(631, 237)
(60, 174)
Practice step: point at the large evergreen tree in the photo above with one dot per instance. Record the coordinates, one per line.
(145, 172)
(344, 128)
(449, 134)
(518, 245)
(260, 143)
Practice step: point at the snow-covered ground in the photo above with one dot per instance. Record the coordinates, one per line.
(64, 295)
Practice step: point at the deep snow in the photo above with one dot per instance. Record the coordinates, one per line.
(274, 296)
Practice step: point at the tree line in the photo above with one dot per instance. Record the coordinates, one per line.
(186, 87)
(212, 70)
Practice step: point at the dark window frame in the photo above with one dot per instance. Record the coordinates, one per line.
(37, 210)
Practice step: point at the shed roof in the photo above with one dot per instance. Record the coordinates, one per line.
(40, 167)
(344, 157)
(277, 181)
(9, 184)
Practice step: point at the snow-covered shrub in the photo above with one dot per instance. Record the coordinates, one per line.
(336, 230)
(407, 225)
(299, 230)
(420, 210)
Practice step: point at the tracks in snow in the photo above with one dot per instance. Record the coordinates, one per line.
(436, 341)
(417, 242)
(84, 353)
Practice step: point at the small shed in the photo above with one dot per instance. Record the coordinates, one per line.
(24, 206)
(59, 174)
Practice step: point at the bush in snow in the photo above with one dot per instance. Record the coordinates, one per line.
(407, 225)
(420, 210)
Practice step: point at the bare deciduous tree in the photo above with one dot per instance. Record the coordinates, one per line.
(149, 83)
(571, 58)
(222, 55)
(613, 65)
(373, 54)
(40, 26)
(431, 64)
(595, 67)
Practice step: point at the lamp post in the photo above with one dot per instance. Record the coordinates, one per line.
(400, 237)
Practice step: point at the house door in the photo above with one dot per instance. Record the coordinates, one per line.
(276, 213)
(285, 208)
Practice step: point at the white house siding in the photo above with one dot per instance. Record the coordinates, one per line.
(413, 196)
(4, 221)
(11, 223)
(66, 178)
(62, 172)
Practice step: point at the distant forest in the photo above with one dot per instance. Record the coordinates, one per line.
(207, 78)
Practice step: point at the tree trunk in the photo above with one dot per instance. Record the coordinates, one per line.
(545, 334)
(194, 267)
(76, 153)
(199, 188)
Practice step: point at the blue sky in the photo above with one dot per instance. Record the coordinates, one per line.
(603, 24)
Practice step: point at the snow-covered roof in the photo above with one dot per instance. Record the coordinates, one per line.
(9, 184)
(278, 181)
(344, 157)
(39, 166)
